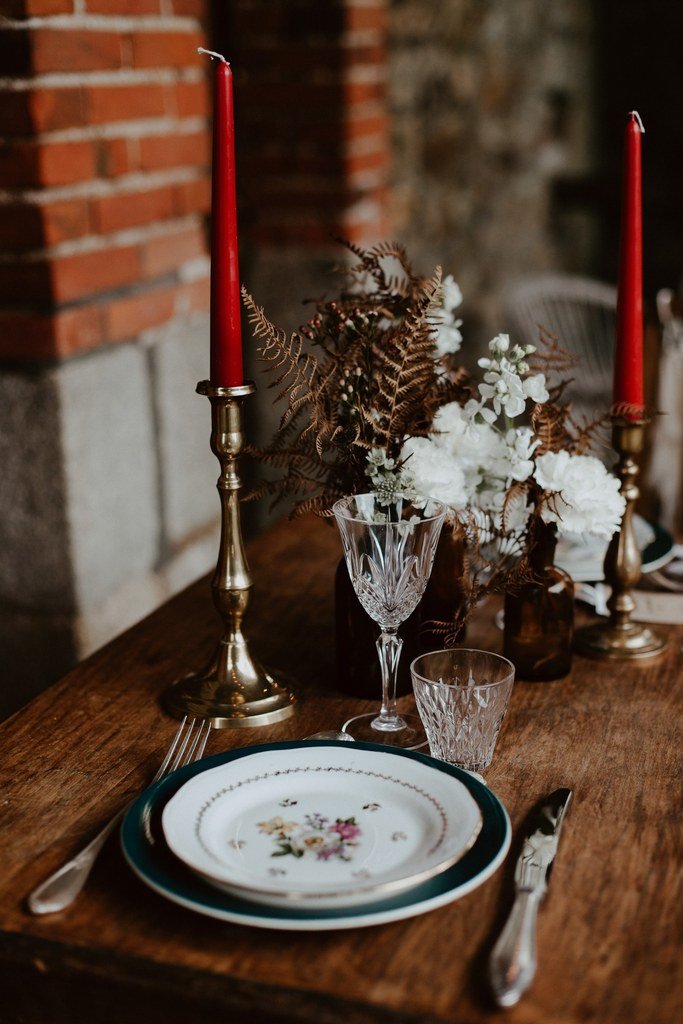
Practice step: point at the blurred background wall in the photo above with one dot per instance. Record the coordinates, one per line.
(484, 134)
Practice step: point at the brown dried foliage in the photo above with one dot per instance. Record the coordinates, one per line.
(361, 373)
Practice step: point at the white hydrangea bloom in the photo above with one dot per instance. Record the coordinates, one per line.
(585, 496)
(435, 472)
(477, 447)
(551, 470)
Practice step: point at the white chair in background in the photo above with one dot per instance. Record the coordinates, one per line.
(665, 474)
(582, 313)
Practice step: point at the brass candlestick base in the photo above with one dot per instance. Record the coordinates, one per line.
(233, 691)
(619, 638)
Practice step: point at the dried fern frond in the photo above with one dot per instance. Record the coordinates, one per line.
(361, 373)
(550, 357)
(549, 423)
(298, 367)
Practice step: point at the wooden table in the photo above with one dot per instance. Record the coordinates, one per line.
(73, 756)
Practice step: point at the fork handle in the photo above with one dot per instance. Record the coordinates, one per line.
(61, 889)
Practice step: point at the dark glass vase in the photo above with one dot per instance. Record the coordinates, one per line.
(357, 664)
(444, 594)
(539, 616)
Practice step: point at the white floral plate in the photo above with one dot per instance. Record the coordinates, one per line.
(147, 853)
(320, 827)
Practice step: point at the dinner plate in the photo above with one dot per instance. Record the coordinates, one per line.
(148, 855)
(583, 558)
(318, 826)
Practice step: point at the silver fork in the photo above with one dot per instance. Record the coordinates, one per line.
(61, 889)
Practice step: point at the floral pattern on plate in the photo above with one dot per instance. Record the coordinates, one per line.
(315, 837)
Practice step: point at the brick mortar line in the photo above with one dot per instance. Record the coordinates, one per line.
(106, 23)
(122, 76)
(98, 243)
(39, 364)
(156, 126)
(195, 269)
(100, 188)
(169, 280)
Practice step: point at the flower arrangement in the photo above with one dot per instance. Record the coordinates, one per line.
(376, 401)
(477, 457)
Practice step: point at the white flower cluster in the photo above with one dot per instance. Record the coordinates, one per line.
(446, 328)
(475, 454)
(504, 385)
(470, 462)
(387, 482)
(584, 496)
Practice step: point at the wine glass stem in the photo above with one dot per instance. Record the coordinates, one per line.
(389, 649)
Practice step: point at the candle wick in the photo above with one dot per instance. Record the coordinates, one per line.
(212, 53)
(634, 113)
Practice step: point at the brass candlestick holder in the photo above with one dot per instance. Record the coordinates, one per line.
(619, 638)
(233, 690)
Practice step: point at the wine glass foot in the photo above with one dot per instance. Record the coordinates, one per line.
(408, 736)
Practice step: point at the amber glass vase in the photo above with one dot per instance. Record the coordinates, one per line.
(539, 616)
(444, 595)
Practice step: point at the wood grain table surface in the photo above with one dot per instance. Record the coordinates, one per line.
(607, 932)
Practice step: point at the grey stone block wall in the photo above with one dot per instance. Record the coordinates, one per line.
(109, 456)
(34, 515)
(108, 503)
(187, 468)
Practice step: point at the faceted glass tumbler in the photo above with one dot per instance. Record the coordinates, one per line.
(462, 696)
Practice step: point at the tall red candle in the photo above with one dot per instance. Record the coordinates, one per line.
(628, 354)
(226, 330)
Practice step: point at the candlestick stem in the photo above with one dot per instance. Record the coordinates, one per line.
(619, 637)
(233, 690)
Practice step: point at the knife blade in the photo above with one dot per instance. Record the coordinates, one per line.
(512, 964)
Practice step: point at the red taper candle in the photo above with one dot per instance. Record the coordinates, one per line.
(628, 353)
(226, 327)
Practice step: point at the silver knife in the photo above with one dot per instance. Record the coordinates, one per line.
(512, 965)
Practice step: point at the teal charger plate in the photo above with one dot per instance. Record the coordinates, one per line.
(146, 852)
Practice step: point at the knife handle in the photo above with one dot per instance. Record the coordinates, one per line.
(512, 965)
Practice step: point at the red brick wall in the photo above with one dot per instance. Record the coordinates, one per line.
(103, 171)
(312, 127)
(104, 153)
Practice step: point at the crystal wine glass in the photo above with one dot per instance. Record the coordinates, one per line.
(389, 549)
